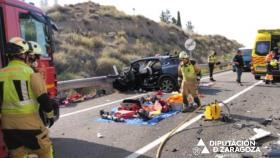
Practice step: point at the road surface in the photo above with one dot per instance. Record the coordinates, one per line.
(75, 134)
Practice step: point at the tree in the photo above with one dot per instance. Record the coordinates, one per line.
(189, 27)
(165, 16)
(178, 23)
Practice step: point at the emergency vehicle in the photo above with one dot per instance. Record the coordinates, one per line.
(265, 41)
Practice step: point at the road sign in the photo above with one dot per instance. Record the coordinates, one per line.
(190, 44)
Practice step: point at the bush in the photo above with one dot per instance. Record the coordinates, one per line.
(105, 65)
(94, 42)
(98, 42)
(120, 40)
(110, 11)
(128, 58)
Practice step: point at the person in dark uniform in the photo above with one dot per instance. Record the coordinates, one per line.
(238, 62)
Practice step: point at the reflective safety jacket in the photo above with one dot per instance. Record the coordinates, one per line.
(15, 89)
(188, 72)
(212, 58)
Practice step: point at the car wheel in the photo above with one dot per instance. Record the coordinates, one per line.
(167, 84)
(257, 77)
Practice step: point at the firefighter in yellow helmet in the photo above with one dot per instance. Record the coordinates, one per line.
(188, 70)
(23, 92)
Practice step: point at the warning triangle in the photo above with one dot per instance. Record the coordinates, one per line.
(205, 151)
(200, 143)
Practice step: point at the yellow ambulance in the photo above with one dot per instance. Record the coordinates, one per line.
(265, 41)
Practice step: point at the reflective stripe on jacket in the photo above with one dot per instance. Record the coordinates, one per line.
(17, 96)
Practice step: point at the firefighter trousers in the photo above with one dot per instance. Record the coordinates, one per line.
(26, 134)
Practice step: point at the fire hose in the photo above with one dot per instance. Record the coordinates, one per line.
(225, 118)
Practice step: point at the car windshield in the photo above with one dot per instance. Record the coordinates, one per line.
(262, 48)
(33, 30)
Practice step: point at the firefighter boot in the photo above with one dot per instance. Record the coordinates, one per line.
(197, 101)
(185, 104)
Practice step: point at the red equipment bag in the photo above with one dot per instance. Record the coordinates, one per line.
(130, 105)
(126, 114)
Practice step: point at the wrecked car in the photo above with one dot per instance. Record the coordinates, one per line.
(151, 73)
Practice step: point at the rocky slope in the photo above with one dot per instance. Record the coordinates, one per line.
(93, 37)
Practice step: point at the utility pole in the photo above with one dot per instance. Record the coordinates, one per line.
(133, 11)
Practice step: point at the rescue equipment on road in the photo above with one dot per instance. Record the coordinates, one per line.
(212, 111)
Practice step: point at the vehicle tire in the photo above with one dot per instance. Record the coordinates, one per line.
(167, 84)
(257, 77)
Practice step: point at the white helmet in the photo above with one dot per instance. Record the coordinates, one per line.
(35, 48)
(17, 45)
(183, 55)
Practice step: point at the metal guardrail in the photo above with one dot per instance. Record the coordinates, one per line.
(84, 82)
(101, 80)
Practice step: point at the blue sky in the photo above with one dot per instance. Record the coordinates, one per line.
(235, 19)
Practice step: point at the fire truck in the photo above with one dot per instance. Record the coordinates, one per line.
(18, 18)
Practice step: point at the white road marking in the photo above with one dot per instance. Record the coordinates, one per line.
(118, 101)
(156, 142)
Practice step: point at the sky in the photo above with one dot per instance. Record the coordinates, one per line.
(235, 19)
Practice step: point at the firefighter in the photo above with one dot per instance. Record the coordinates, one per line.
(188, 70)
(22, 93)
(211, 64)
(271, 60)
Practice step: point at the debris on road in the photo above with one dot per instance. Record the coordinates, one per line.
(267, 122)
(99, 135)
(199, 131)
(77, 97)
(238, 125)
(260, 134)
(175, 150)
(247, 156)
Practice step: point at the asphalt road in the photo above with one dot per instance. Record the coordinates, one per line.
(75, 134)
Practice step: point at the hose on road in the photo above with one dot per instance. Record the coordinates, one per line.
(173, 131)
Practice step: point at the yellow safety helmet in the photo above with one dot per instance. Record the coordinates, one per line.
(183, 55)
(17, 45)
(273, 62)
(35, 48)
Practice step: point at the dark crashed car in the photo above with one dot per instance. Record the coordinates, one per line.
(151, 73)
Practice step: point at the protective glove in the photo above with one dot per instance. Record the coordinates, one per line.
(50, 118)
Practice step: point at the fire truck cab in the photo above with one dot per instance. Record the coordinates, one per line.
(18, 18)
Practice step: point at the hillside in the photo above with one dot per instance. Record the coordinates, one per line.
(93, 37)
